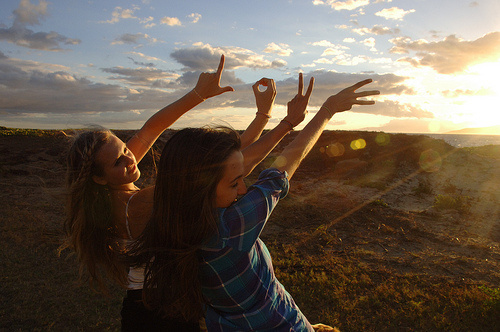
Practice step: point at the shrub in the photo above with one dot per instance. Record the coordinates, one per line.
(452, 202)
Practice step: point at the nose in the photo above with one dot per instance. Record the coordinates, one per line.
(130, 160)
(242, 188)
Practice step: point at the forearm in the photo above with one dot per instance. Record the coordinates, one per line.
(140, 143)
(257, 151)
(290, 159)
(254, 130)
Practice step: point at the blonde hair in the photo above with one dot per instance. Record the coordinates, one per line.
(89, 227)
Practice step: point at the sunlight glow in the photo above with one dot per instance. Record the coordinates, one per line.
(483, 108)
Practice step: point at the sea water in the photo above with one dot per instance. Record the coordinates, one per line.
(462, 141)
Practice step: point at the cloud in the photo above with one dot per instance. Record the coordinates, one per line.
(28, 14)
(128, 38)
(171, 21)
(342, 5)
(415, 126)
(203, 57)
(394, 13)
(45, 92)
(376, 30)
(145, 77)
(195, 17)
(280, 49)
(119, 13)
(451, 55)
(324, 43)
(461, 93)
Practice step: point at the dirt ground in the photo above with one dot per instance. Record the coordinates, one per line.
(378, 202)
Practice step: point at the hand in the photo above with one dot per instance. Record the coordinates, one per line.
(344, 100)
(265, 99)
(209, 83)
(297, 106)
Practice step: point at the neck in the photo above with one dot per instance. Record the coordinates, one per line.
(123, 187)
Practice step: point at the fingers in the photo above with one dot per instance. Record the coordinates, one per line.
(221, 66)
(310, 88)
(364, 102)
(367, 93)
(301, 84)
(360, 84)
(267, 82)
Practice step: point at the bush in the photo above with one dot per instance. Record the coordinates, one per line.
(452, 202)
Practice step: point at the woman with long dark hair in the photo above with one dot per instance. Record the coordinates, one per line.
(106, 210)
(201, 248)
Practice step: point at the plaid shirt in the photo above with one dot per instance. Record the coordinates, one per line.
(237, 274)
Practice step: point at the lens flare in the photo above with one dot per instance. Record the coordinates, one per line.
(358, 144)
(383, 139)
(280, 161)
(335, 150)
(430, 161)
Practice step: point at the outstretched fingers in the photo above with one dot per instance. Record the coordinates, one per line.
(221, 66)
(360, 84)
(301, 84)
(367, 93)
(310, 88)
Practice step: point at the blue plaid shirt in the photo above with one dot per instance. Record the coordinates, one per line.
(237, 274)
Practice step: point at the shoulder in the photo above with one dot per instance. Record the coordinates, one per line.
(139, 209)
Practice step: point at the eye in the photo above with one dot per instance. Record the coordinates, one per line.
(234, 185)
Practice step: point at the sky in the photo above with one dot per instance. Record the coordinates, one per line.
(74, 63)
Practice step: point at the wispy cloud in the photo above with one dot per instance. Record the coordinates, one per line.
(194, 17)
(201, 57)
(171, 21)
(451, 55)
(376, 30)
(136, 38)
(119, 14)
(280, 49)
(394, 13)
(28, 14)
(342, 5)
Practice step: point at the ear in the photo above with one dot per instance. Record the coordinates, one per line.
(99, 180)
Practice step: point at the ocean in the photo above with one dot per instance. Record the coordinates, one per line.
(463, 141)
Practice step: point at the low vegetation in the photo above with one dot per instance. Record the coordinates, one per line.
(356, 263)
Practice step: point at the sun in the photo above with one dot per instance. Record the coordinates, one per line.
(484, 106)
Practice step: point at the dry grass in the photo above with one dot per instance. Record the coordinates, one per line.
(341, 242)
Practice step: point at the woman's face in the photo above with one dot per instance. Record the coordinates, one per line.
(231, 185)
(118, 164)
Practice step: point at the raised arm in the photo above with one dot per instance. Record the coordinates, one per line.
(256, 152)
(264, 101)
(297, 150)
(208, 85)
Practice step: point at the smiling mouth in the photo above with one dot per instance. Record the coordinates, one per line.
(132, 168)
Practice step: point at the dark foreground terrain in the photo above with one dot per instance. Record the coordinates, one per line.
(401, 233)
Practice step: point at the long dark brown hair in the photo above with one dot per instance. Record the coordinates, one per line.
(88, 226)
(183, 217)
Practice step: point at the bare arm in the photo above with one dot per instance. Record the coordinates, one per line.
(208, 86)
(264, 101)
(296, 151)
(256, 152)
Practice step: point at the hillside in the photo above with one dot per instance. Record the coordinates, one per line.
(494, 130)
(400, 233)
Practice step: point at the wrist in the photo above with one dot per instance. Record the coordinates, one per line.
(198, 95)
(329, 110)
(288, 124)
(262, 115)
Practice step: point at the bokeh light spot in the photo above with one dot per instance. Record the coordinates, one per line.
(358, 144)
(383, 139)
(434, 126)
(335, 150)
(280, 161)
(430, 161)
